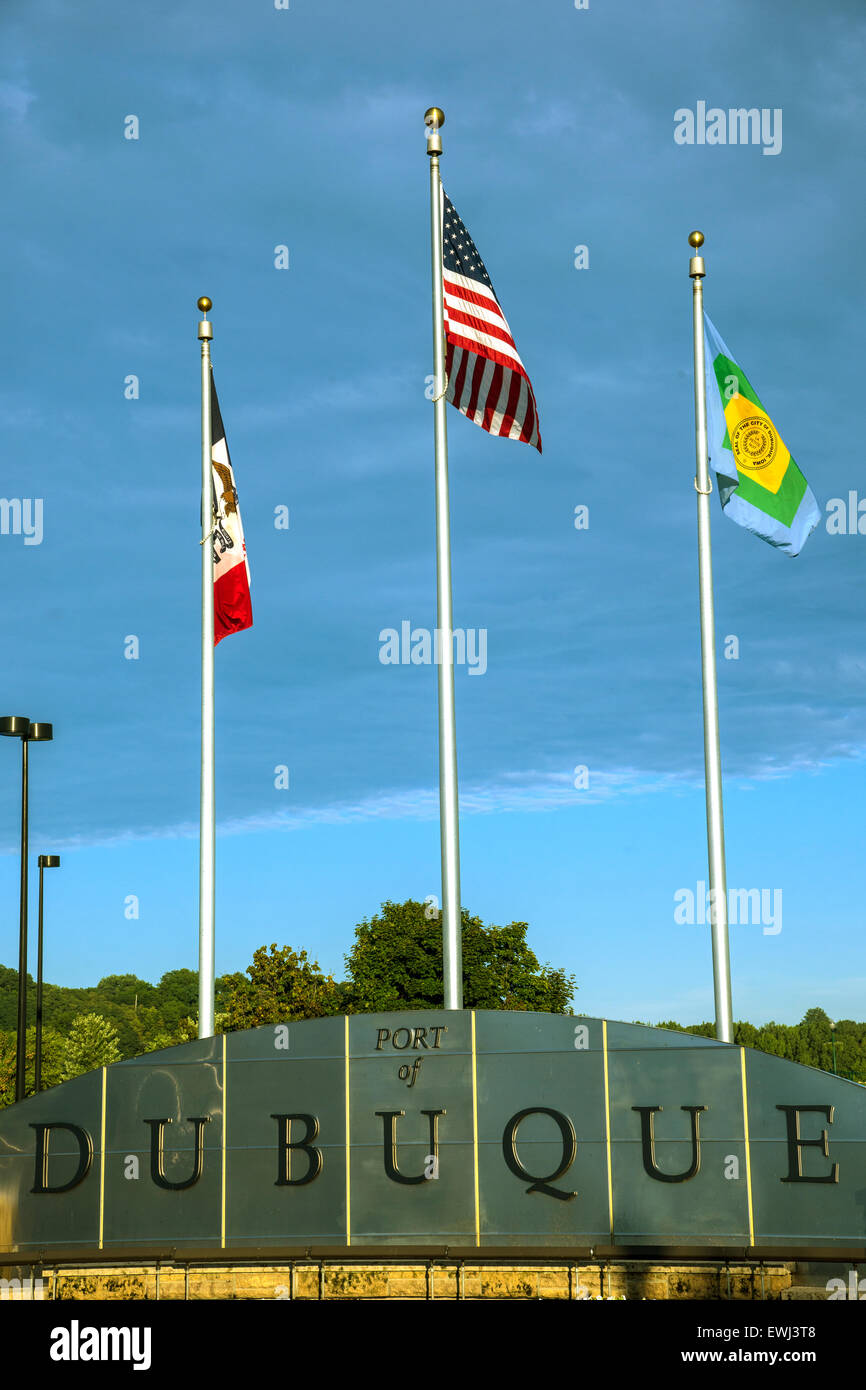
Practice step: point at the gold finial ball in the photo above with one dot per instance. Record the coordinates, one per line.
(435, 116)
(204, 304)
(696, 239)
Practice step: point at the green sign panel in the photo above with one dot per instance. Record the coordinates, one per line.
(463, 1131)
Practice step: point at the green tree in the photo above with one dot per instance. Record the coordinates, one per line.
(53, 1051)
(283, 984)
(177, 995)
(700, 1030)
(187, 1031)
(396, 963)
(125, 989)
(9, 998)
(809, 1042)
(92, 1042)
(814, 1040)
(160, 1039)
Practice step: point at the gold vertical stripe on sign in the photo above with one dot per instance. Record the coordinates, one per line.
(475, 1132)
(748, 1149)
(607, 1129)
(102, 1161)
(348, 1159)
(225, 1117)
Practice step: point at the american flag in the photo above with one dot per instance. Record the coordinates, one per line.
(487, 381)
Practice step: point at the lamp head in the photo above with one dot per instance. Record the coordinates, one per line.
(49, 861)
(15, 726)
(41, 733)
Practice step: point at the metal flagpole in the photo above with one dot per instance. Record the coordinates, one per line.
(45, 861)
(207, 830)
(449, 832)
(21, 1043)
(712, 756)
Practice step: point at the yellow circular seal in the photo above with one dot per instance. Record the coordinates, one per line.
(754, 443)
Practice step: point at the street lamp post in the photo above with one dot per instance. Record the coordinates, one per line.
(833, 1036)
(45, 861)
(17, 726)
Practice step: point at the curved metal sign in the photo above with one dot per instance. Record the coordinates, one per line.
(436, 1131)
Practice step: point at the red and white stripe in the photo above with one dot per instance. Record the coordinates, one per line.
(487, 381)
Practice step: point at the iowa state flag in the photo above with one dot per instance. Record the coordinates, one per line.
(231, 572)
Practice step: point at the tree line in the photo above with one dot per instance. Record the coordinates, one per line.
(395, 963)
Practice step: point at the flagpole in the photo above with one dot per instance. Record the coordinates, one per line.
(207, 826)
(712, 754)
(449, 833)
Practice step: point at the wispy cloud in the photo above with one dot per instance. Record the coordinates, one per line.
(520, 792)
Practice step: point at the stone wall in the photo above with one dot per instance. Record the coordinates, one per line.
(416, 1280)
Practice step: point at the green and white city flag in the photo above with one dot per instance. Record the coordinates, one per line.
(760, 485)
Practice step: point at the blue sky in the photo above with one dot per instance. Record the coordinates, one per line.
(304, 127)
